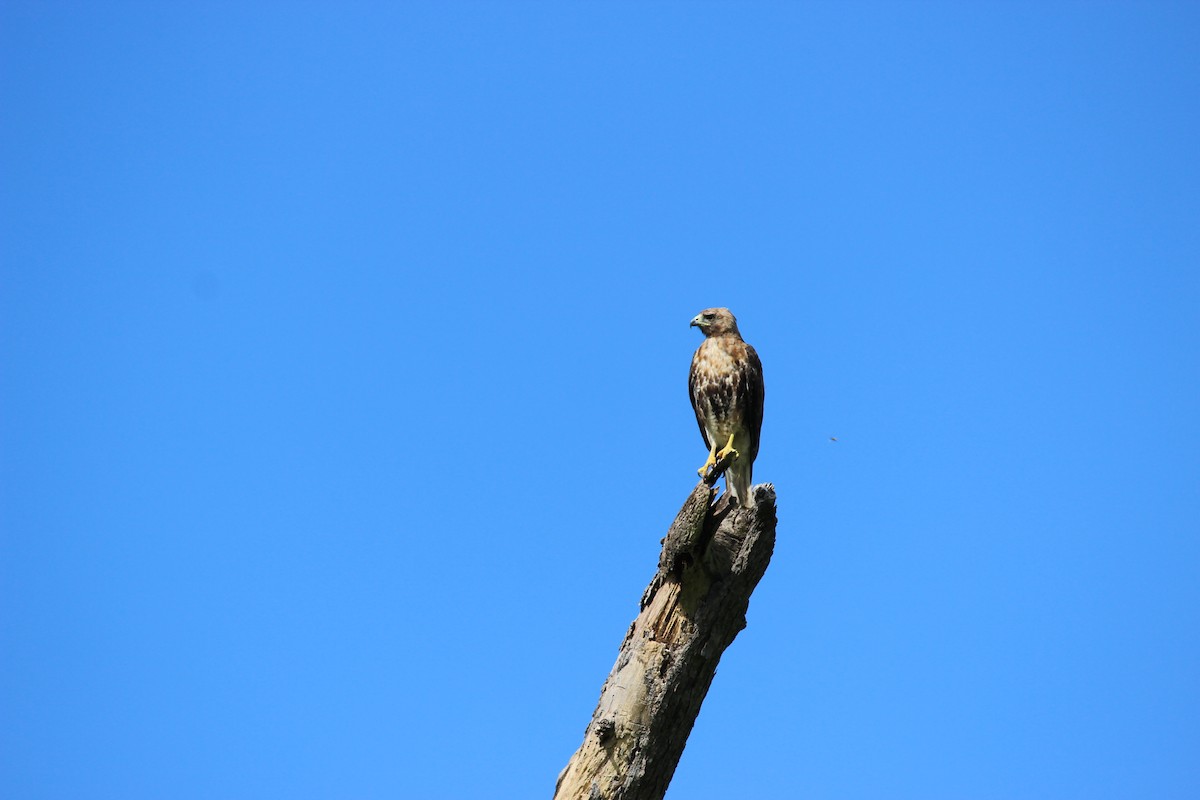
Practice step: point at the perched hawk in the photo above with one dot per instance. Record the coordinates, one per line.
(726, 384)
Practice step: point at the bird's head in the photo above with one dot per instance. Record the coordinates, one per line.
(715, 322)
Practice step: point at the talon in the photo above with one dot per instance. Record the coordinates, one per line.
(728, 448)
(715, 455)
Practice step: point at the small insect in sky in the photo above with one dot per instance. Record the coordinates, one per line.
(833, 438)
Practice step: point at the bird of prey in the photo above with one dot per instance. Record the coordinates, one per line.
(726, 385)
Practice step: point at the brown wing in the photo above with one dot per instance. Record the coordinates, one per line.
(751, 391)
(694, 390)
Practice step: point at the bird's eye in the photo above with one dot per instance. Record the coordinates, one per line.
(710, 316)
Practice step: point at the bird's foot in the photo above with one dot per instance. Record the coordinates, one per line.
(712, 459)
(727, 449)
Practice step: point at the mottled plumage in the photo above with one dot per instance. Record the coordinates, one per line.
(726, 385)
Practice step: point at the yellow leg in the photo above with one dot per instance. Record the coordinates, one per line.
(727, 449)
(712, 459)
(714, 454)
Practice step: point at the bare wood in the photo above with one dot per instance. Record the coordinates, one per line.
(712, 558)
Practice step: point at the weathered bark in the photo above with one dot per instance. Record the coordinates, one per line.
(712, 558)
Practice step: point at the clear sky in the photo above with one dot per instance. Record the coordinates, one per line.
(343, 391)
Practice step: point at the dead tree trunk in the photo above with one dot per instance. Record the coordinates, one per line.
(712, 558)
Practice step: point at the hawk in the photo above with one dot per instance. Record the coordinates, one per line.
(726, 385)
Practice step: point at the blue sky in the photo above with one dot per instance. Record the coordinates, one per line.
(343, 391)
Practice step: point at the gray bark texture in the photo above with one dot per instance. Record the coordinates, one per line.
(712, 558)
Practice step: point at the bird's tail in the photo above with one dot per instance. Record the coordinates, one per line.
(737, 482)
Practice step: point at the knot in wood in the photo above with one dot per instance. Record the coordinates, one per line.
(605, 729)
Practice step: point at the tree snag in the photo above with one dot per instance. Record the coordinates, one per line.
(712, 558)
